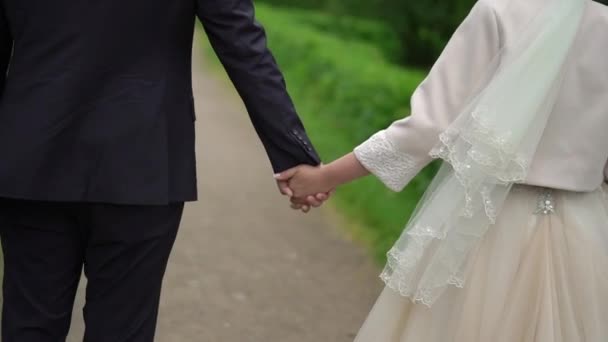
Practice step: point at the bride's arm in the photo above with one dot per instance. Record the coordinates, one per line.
(397, 154)
(306, 180)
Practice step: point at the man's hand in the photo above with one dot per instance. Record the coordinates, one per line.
(284, 187)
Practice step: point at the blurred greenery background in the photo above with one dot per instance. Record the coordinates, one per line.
(351, 67)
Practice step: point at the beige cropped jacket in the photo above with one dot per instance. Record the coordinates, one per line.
(573, 152)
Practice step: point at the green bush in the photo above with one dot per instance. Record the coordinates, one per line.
(423, 27)
(346, 90)
(315, 4)
(351, 28)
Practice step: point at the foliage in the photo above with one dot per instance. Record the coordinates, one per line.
(423, 26)
(349, 28)
(345, 90)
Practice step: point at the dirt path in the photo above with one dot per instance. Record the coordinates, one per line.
(245, 267)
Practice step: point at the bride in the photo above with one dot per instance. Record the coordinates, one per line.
(510, 242)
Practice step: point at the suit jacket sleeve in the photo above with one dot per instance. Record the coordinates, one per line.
(6, 47)
(399, 153)
(240, 43)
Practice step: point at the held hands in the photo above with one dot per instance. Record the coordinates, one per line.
(311, 186)
(306, 186)
(305, 180)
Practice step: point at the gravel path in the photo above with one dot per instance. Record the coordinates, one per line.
(245, 267)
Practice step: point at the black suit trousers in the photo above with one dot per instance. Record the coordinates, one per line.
(124, 252)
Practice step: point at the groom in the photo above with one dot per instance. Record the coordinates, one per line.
(97, 151)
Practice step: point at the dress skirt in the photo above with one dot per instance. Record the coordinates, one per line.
(540, 274)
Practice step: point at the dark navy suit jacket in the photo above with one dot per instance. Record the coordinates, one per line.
(96, 103)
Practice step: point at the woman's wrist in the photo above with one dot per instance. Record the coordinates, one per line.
(328, 177)
(342, 171)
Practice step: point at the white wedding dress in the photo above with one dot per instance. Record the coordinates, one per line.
(540, 275)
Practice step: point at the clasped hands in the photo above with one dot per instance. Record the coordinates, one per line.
(306, 186)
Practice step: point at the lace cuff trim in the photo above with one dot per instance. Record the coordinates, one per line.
(380, 157)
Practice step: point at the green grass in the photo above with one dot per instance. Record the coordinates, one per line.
(346, 89)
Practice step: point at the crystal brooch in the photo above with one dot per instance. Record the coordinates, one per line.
(546, 204)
